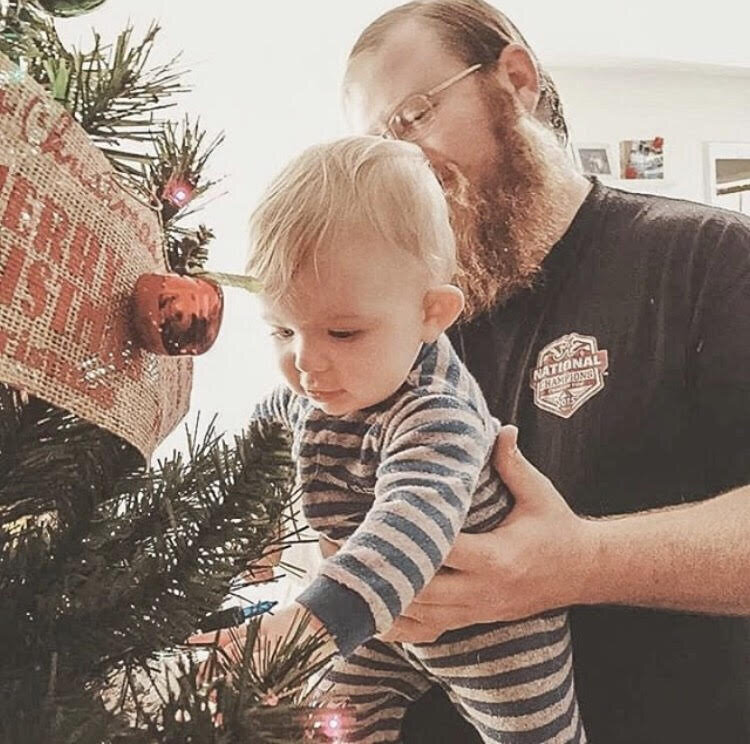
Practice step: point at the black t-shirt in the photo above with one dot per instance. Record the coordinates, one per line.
(627, 371)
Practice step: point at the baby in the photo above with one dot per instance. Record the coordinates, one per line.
(392, 440)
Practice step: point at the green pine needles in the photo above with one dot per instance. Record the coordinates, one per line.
(106, 565)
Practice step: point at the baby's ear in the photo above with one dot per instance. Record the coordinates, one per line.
(442, 305)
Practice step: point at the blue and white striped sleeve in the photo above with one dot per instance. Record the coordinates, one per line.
(434, 450)
(277, 406)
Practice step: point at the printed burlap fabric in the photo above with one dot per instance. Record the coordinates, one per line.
(72, 244)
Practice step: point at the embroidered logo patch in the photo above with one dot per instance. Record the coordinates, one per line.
(569, 371)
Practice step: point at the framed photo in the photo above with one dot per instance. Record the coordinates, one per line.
(728, 175)
(595, 159)
(642, 158)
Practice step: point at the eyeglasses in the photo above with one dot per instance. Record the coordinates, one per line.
(414, 115)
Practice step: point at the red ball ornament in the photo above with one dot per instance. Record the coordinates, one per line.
(177, 315)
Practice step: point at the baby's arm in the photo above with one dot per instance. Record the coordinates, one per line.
(434, 449)
(279, 406)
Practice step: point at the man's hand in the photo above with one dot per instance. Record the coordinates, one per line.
(537, 559)
(690, 557)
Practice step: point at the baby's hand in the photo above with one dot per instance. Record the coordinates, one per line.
(274, 628)
(277, 627)
(231, 644)
(261, 569)
(328, 547)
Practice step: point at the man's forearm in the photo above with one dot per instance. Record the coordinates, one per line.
(694, 557)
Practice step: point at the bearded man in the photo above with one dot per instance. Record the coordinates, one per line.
(613, 330)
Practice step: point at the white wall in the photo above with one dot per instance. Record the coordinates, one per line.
(688, 108)
(268, 73)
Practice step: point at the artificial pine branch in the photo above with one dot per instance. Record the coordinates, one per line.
(206, 519)
(187, 250)
(116, 98)
(268, 696)
(108, 90)
(29, 38)
(55, 469)
(112, 94)
(173, 180)
(156, 556)
(104, 563)
(181, 156)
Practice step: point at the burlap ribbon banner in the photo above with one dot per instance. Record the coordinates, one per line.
(72, 244)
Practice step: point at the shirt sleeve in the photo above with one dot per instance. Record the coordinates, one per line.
(278, 407)
(719, 352)
(434, 449)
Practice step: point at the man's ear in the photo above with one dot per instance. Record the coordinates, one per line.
(517, 71)
(442, 305)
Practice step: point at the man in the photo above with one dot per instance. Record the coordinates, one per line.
(614, 330)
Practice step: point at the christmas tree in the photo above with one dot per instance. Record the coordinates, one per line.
(107, 563)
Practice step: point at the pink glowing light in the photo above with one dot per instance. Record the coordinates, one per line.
(329, 724)
(178, 193)
(332, 725)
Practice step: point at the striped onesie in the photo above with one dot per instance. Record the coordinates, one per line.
(394, 484)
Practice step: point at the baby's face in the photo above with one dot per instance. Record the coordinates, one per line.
(349, 332)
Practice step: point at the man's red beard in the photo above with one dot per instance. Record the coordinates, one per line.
(503, 225)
